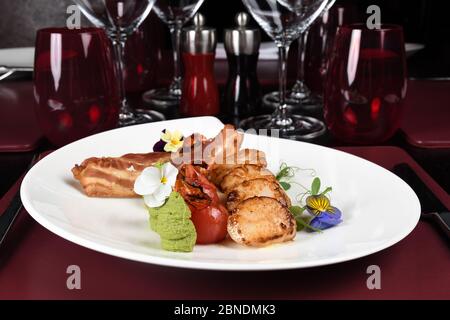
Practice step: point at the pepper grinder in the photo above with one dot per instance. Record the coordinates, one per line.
(200, 95)
(242, 94)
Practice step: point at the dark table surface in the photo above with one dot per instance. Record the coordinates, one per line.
(33, 261)
(33, 264)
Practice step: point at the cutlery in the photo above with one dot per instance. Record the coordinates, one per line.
(5, 72)
(432, 208)
(10, 214)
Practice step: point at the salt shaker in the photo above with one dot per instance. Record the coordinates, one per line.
(200, 95)
(242, 94)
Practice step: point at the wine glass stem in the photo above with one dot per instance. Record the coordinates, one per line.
(118, 41)
(299, 90)
(175, 34)
(301, 56)
(282, 118)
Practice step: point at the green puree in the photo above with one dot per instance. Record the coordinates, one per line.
(173, 224)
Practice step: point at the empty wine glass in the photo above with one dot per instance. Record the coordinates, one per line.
(174, 13)
(284, 21)
(120, 19)
(299, 96)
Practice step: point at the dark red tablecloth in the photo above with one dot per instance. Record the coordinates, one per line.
(33, 265)
(19, 131)
(427, 114)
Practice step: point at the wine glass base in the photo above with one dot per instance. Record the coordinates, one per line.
(295, 102)
(162, 98)
(139, 116)
(300, 128)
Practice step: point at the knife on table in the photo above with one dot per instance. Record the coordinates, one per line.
(11, 212)
(432, 208)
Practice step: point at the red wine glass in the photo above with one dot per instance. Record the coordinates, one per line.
(120, 19)
(75, 85)
(366, 83)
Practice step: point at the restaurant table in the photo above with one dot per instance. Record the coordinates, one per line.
(424, 132)
(20, 135)
(34, 261)
(427, 114)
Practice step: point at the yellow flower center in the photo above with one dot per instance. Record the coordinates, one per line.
(318, 204)
(174, 141)
(164, 180)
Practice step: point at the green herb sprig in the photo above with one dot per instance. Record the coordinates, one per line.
(285, 177)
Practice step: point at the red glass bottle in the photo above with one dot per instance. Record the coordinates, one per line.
(200, 95)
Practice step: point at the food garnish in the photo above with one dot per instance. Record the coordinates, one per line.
(171, 141)
(155, 183)
(317, 203)
(173, 224)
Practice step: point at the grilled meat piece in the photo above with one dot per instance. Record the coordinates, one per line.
(261, 221)
(217, 171)
(239, 174)
(259, 187)
(114, 177)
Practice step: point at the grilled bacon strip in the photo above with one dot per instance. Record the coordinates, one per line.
(114, 177)
(199, 150)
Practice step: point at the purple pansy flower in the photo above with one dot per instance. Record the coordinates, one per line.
(159, 146)
(327, 219)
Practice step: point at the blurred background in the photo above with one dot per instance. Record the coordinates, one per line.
(149, 63)
(424, 21)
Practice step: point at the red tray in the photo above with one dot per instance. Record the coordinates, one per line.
(19, 131)
(427, 114)
(33, 264)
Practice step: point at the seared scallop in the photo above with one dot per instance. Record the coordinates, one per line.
(259, 187)
(219, 170)
(243, 173)
(261, 221)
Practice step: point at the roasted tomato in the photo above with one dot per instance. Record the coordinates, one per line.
(208, 214)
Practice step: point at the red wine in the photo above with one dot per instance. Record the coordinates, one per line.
(75, 86)
(365, 94)
(200, 93)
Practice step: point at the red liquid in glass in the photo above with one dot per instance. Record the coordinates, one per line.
(365, 94)
(75, 86)
(200, 93)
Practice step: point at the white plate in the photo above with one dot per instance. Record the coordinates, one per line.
(17, 57)
(379, 209)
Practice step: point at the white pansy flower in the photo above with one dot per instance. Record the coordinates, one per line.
(155, 184)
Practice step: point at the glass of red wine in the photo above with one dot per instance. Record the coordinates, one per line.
(75, 86)
(120, 19)
(366, 83)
